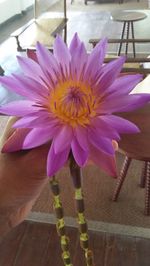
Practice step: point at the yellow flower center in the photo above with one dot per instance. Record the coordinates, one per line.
(73, 103)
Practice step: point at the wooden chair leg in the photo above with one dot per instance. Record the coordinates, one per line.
(1, 71)
(147, 190)
(143, 175)
(65, 33)
(121, 177)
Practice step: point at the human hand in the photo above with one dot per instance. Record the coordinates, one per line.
(22, 178)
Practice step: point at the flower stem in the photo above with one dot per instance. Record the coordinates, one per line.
(60, 224)
(83, 228)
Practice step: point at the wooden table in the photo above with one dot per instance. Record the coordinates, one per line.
(128, 18)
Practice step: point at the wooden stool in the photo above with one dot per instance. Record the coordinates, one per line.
(128, 18)
(136, 146)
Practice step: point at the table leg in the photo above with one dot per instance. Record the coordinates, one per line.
(122, 36)
(128, 31)
(132, 30)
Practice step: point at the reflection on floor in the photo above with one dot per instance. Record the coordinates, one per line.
(36, 244)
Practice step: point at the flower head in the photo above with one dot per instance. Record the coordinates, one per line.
(70, 98)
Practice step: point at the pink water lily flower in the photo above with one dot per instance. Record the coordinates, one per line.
(70, 100)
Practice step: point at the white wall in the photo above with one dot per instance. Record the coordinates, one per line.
(9, 8)
(25, 3)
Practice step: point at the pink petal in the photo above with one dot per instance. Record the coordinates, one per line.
(32, 88)
(82, 137)
(110, 73)
(124, 103)
(38, 119)
(103, 128)
(78, 61)
(123, 85)
(101, 143)
(24, 122)
(120, 124)
(15, 142)
(75, 43)
(104, 161)
(39, 136)
(56, 161)
(32, 69)
(19, 108)
(96, 59)
(79, 154)
(11, 83)
(61, 53)
(46, 60)
(63, 139)
(137, 101)
(78, 57)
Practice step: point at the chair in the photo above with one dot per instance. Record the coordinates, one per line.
(137, 147)
(44, 27)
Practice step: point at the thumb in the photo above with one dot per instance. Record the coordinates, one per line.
(12, 139)
(8, 131)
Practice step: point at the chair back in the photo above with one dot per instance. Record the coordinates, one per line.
(52, 6)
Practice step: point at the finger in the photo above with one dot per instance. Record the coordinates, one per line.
(9, 130)
(14, 142)
(115, 145)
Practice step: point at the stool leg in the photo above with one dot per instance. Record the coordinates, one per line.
(143, 175)
(147, 190)
(132, 31)
(121, 177)
(128, 31)
(122, 36)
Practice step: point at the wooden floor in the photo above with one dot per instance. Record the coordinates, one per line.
(36, 244)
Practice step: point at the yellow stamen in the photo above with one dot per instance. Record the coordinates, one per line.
(73, 103)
